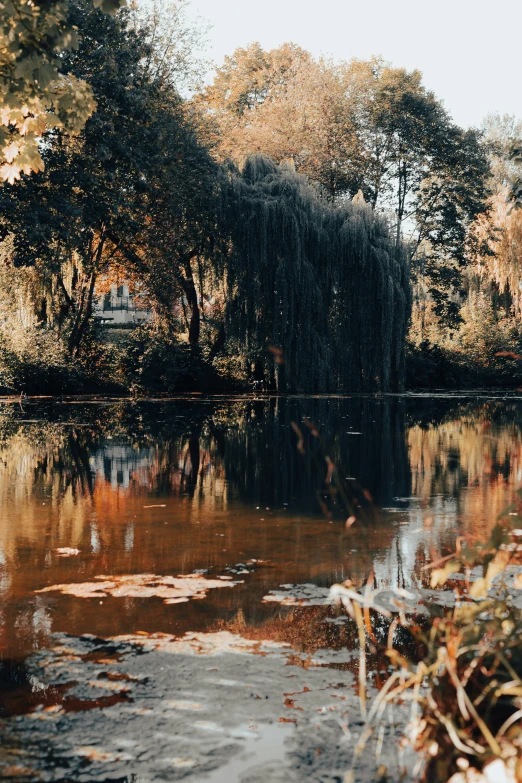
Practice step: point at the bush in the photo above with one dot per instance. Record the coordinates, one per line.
(151, 359)
(37, 362)
(431, 366)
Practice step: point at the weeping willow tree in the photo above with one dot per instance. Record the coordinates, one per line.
(326, 287)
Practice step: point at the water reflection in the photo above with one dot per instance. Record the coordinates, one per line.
(171, 487)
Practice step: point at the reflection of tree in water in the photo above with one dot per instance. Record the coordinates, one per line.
(48, 463)
(263, 464)
(46, 458)
(472, 458)
(466, 465)
(80, 479)
(172, 448)
(247, 450)
(252, 446)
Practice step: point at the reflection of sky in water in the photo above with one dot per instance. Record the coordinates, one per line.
(95, 539)
(129, 538)
(397, 566)
(41, 619)
(5, 581)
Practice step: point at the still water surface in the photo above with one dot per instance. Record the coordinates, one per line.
(239, 488)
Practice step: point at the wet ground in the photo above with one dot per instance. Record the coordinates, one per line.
(165, 569)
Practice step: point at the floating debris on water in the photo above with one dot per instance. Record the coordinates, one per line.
(173, 589)
(300, 595)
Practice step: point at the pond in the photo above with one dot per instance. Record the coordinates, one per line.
(164, 569)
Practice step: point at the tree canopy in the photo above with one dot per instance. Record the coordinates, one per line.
(99, 199)
(309, 278)
(360, 125)
(35, 94)
(283, 210)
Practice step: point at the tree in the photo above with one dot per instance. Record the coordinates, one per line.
(361, 125)
(176, 42)
(177, 244)
(284, 104)
(428, 175)
(497, 269)
(34, 93)
(97, 202)
(479, 279)
(326, 286)
(137, 190)
(400, 127)
(515, 155)
(448, 204)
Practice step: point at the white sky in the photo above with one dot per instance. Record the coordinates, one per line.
(469, 51)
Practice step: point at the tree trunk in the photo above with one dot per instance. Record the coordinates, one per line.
(194, 460)
(68, 305)
(84, 314)
(84, 308)
(88, 313)
(191, 294)
(401, 207)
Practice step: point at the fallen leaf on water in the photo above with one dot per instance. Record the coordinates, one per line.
(181, 763)
(82, 590)
(290, 703)
(299, 595)
(108, 685)
(182, 600)
(43, 716)
(14, 770)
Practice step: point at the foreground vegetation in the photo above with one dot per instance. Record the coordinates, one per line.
(464, 688)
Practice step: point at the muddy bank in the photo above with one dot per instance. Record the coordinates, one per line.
(209, 707)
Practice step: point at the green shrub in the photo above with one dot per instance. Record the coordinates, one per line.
(151, 359)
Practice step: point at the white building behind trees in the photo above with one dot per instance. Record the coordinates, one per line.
(120, 307)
